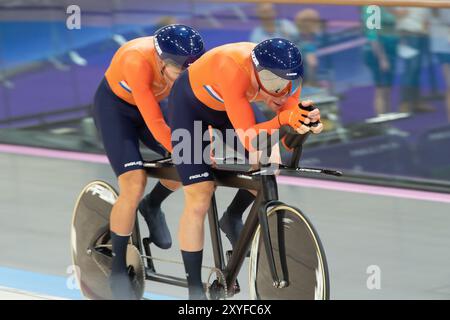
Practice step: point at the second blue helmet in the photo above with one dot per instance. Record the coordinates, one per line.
(178, 43)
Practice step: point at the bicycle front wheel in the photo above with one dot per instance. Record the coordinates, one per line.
(298, 254)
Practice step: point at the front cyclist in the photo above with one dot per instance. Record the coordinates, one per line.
(126, 111)
(217, 90)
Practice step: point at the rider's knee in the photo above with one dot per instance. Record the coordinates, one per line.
(198, 197)
(132, 185)
(171, 184)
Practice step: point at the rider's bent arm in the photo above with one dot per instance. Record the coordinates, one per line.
(234, 83)
(138, 75)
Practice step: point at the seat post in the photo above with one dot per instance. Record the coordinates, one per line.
(216, 240)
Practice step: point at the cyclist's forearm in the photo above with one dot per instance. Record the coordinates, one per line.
(250, 135)
(153, 117)
(162, 133)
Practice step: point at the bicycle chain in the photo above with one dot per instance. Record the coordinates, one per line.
(222, 281)
(219, 273)
(212, 270)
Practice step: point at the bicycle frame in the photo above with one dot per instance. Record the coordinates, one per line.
(267, 195)
(227, 178)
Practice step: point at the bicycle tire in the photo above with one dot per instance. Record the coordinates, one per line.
(90, 219)
(307, 268)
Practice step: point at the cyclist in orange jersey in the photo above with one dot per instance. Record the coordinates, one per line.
(216, 91)
(126, 111)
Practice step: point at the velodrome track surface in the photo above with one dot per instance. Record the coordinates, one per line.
(403, 232)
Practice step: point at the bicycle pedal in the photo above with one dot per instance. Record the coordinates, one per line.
(146, 244)
(236, 287)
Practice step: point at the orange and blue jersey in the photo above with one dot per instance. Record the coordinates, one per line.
(126, 106)
(135, 77)
(221, 79)
(216, 91)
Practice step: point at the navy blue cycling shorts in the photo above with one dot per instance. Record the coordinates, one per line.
(121, 127)
(188, 114)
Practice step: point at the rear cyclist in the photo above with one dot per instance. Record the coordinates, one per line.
(126, 111)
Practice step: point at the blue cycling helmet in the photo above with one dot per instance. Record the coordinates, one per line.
(279, 66)
(179, 44)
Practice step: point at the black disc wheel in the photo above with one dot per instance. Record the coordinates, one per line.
(299, 259)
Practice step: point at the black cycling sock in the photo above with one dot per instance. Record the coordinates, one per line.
(119, 250)
(240, 203)
(157, 196)
(193, 267)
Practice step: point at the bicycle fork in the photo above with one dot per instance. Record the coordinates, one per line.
(263, 221)
(270, 196)
(258, 215)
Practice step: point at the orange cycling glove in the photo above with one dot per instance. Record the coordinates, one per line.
(293, 118)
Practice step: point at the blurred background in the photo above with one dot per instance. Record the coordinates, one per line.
(384, 93)
(383, 89)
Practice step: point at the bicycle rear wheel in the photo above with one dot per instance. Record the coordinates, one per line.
(297, 249)
(91, 245)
